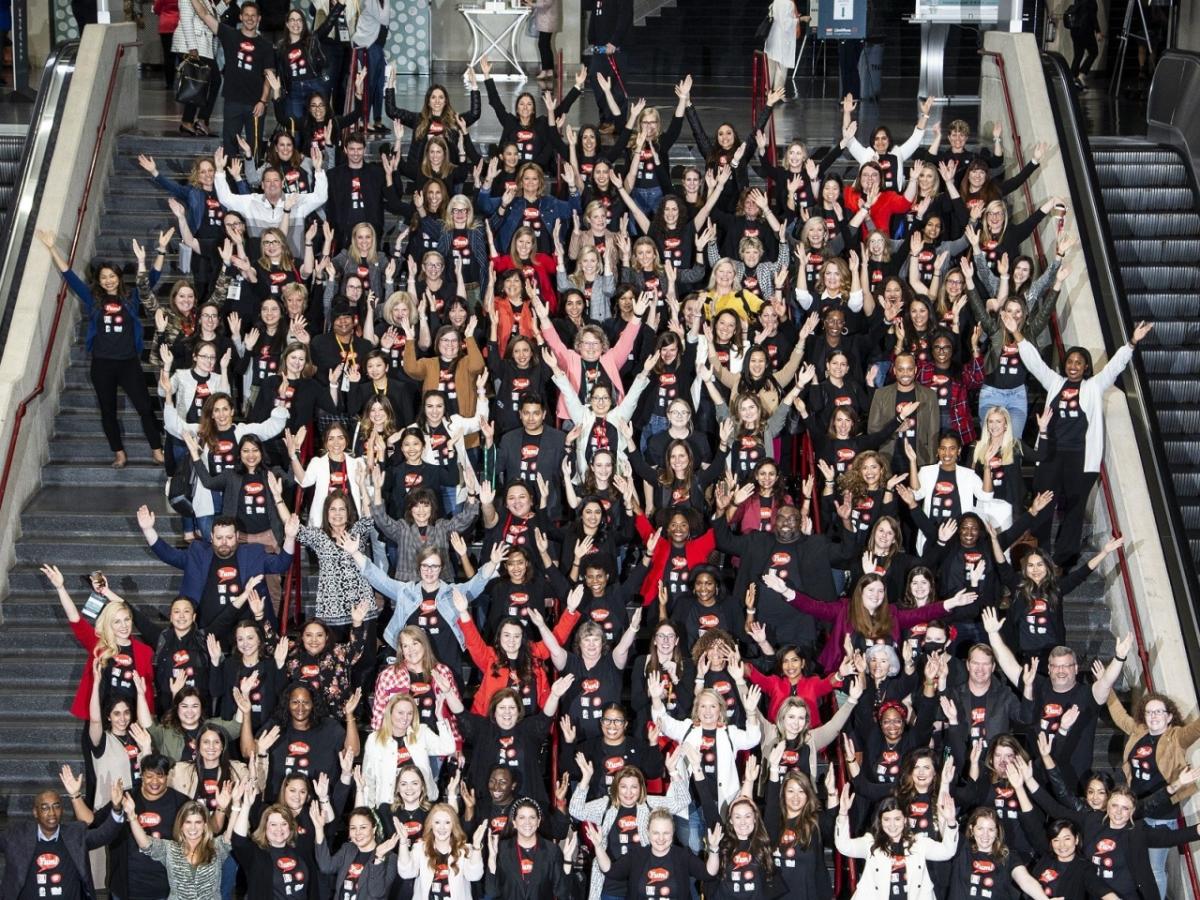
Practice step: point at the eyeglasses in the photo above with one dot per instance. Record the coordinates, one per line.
(608, 721)
(271, 242)
(211, 357)
(1156, 712)
(209, 316)
(433, 567)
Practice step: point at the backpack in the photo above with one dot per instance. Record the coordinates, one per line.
(1069, 16)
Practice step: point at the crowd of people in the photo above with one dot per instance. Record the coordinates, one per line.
(667, 527)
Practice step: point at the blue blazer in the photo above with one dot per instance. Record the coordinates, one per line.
(196, 562)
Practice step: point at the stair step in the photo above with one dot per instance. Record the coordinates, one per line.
(1182, 451)
(114, 552)
(1174, 390)
(1154, 305)
(1147, 199)
(1162, 224)
(147, 474)
(1138, 174)
(1137, 251)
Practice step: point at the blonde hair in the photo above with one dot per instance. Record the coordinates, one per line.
(398, 298)
(106, 642)
(384, 734)
(715, 695)
(352, 250)
(286, 261)
(459, 201)
(577, 277)
(458, 838)
(260, 833)
(205, 851)
(1007, 444)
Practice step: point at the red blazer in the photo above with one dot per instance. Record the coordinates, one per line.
(545, 273)
(143, 664)
(484, 656)
(776, 689)
(698, 550)
(889, 204)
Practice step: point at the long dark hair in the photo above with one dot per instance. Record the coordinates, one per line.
(881, 842)
(760, 844)
(523, 665)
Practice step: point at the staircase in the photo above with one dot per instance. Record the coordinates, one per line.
(82, 518)
(1150, 203)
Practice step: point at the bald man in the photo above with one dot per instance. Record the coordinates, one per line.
(48, 857)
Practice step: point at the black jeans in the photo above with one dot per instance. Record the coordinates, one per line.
(168, 60)
(239, 117)
(1063, 473)
(546, 49)
(107, 376)
(1086, 51)
(202, 111)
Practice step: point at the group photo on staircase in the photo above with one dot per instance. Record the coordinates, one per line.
(620, 448)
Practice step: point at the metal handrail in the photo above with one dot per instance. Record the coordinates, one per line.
(60, 299)
(1105, 486)
(31, 173)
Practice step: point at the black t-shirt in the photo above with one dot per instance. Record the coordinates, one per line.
(117, 678)
(307, 752)
(429, 619)
(592, 690)
(135, 875)
(743, 876)
(645, 875)
(1109, 853)
(114, 330)
(204, 390)
(1069, 425)
(246, 59)
(252, 504)
(1010, 371)
(349, 887)
(51, 873)
(624, 836)
(223, 456)
(945, 502)
(295, 60)
(1147, 777)
(987, 878)
(224, 584)
(609, 613)
(531, 447)
(289, 873)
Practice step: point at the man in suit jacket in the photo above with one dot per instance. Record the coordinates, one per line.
(215, 573)
(534, 450)
(53, 852)
(921, 429)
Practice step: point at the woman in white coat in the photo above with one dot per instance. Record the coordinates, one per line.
(1075, 433)
(893, 852)
(402, 738)
(600, 412)
(334, 469)
(194, 40)
(781, 40)
(442, 853)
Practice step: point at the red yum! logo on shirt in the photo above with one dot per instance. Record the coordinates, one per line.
(47, 861)
(657, 875)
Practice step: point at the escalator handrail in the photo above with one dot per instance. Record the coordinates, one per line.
(1117, 322)
(38, 389)
(1105, 486)
(31, 174)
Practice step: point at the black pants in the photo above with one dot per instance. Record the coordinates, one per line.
(240, 118)
(546, 49)
(1086, 51)
(107, 376)
(193, 111)
(168, 60)
(84, 12)
(1063, 473)
(337, 61)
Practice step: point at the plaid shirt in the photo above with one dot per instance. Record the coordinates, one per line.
(395, 679)
(956, 390)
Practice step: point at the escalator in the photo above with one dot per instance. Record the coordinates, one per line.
(11, 148)
(1137, 207)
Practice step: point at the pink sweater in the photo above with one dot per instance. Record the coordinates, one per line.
(610, 362)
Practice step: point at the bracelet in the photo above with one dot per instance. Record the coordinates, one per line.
(236, 808)
(76, 795)
(1120, 658)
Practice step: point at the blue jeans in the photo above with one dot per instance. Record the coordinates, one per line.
(647, 199)
(882, 369)
(298, 94)
(1012, 399)
(656, 425)
(1158, 855)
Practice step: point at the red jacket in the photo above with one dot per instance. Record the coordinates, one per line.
(776, 688)
(889, 204)
(545, 272)
(505, 315)
(484, 656)
(698, 550)
(143, 664)
(168, 15)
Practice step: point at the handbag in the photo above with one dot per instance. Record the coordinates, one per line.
(191, 82)
(181, 487)
(764, 27)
